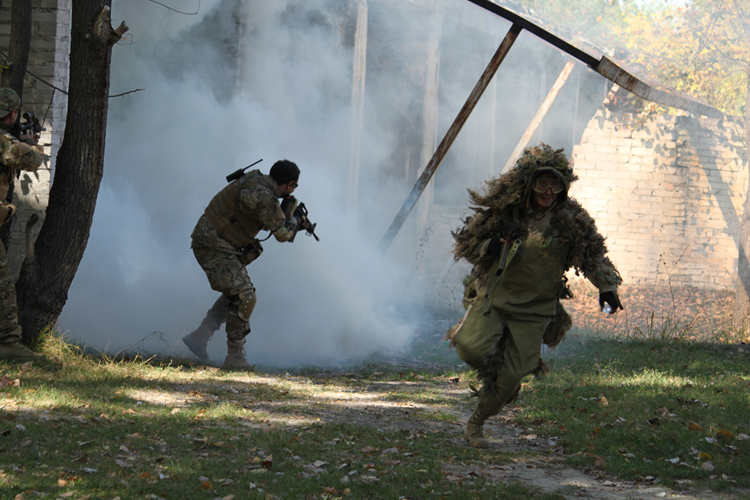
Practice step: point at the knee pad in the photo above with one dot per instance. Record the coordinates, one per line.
(244, 302)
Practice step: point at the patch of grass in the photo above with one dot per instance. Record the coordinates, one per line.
(671, 410)
(106, 428)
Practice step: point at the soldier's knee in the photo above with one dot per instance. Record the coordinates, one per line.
(244, 303)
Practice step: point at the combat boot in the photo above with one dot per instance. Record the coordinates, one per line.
(15, 351)
(197, 341)
(235, 359)
(474, 433)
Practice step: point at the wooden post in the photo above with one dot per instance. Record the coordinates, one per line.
(540, 114)
(359, 66)
(450, 136)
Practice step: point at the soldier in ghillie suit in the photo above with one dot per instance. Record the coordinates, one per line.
(16, 154)
(525, 233)
(224, 242)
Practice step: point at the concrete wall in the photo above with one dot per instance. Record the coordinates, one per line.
(48, 62)
(668, 193)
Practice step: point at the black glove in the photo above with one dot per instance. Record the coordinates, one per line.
(611, 299)
(494, 247)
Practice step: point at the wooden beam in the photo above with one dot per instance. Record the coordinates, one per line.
(450, 136)
(359, 65)
(540, 114)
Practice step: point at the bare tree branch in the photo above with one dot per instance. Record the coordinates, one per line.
(126, 93)
(179, 11)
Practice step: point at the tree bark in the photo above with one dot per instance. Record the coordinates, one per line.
(742, 292)
(20, 45)
(13, 75)
(42, 287)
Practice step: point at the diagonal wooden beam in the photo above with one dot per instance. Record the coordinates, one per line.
(540, 114)
(450, 136)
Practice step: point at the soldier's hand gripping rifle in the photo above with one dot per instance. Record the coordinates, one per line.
(240, 172)
(31, 125)
(301, 213)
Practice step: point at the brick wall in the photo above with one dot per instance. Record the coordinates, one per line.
(48, 62)
(667, 192)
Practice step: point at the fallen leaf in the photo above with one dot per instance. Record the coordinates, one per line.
(176, 410)
(330, 490)
(673, 460)
(319, 463)
(742, 437)
(707, 466)
(599, 461)
(695, 427)
(603, 401)
(725, 435)
(206, 485)
(267, 462)
(704, 456)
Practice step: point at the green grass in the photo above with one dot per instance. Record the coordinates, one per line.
(648, 408)
(82, 427)
(650, 411)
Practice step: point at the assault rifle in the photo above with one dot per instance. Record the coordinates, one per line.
(301, 213)
(30, 127)
(239, 172)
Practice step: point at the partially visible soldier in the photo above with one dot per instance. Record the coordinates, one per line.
(16, 154)
(224, 242)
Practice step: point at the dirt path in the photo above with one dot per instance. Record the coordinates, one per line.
(323, 398)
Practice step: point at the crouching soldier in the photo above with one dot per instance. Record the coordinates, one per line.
(224, 242)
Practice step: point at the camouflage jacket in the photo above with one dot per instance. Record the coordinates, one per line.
(239, 211)
(550, 243)
(14, 157)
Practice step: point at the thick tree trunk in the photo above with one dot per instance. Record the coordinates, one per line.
(742, 293)
(13, 75)
(20, 44)
(42, 287)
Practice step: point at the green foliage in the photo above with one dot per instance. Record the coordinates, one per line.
(702, 49)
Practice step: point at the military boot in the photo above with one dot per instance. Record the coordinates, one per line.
(474, 433)
(235, 359)
(197, 341)
(15, 351)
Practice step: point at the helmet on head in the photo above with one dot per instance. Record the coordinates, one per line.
(9, 101)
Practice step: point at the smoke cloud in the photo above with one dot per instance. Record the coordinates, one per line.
(210, 106)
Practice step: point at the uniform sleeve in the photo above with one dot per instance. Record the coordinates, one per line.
(589, 252)
(260, 202)
(19, 155)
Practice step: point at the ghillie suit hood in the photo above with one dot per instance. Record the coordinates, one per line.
(505, 200)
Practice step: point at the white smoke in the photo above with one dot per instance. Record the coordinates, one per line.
(169, 148)
(210, 107)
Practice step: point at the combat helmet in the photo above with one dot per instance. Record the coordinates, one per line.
(9, 101)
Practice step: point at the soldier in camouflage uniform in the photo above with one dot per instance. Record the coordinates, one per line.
(17, 155)
(224, 242)
(524, 235)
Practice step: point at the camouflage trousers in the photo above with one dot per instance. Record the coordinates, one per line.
(10, 330)
(226, 274)
(521, 339)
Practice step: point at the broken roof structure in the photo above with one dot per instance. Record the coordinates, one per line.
(601, 65)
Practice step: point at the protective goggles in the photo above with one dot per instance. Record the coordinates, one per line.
(542, 184)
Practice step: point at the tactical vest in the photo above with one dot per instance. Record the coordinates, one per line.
(238, 229)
